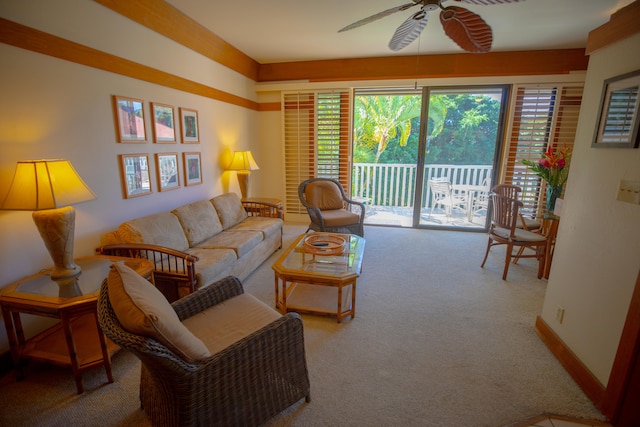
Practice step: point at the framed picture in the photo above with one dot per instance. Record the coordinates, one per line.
(189, 125)
(130, 122)
(192, 169)
(164, 125)
(167, 171)
(618, 116)
(135, 175)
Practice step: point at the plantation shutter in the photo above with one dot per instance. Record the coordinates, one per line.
(540, 115)
(316, 140)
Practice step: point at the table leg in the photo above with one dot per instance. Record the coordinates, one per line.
(353, 300)
(339, 312)
(105, 351)
(73, 353)
(14, 343)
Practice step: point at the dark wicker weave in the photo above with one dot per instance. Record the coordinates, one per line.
(315, 214)
(243, 385)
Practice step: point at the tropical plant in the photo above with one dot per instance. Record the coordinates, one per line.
(553, 166)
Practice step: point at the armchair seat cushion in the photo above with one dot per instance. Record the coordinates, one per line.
(339, 217)
(230, 321)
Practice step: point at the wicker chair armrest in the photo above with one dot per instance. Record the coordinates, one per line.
(355, 207)
(211, 295)
(265, 209)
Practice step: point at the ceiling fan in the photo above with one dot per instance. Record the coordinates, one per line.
(464, 27)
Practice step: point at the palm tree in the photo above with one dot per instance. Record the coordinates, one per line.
(380, 118)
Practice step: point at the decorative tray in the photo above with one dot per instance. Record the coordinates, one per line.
(324, 244)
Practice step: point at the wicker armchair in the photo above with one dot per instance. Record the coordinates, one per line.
(329, 208)
(246, 383)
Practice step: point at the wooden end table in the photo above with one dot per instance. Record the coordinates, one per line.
(313, 284)
(75, 341)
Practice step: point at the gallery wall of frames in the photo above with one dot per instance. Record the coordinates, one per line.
(175, 167)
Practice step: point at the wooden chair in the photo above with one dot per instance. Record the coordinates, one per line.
(329, 207)
(504, 231)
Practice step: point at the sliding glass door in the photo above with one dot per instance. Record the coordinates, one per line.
(403, 139)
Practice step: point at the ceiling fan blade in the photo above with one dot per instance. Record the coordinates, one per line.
(488, 2)
(467, 29)
(409, 30)
(377, 16)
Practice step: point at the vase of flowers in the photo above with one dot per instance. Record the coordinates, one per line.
(553, 168)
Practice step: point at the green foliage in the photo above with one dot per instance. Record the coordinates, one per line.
(462, 129)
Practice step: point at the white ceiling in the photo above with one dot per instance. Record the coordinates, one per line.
(298, 30)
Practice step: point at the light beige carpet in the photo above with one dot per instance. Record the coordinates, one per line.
(437, 341)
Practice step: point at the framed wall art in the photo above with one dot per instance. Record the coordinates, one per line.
(192, 168)
(167, 171)
(135, 175)
(130, 123)
(618, 115)
(164, 125)
(189, 126)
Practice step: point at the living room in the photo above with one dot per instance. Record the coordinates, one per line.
(62, 69)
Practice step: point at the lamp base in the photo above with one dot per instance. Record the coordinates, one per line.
(243, 181)
(56, 227)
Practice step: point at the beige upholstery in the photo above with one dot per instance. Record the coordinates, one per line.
(324, 194)
(143, 310)
(199, 221)
(230, 210)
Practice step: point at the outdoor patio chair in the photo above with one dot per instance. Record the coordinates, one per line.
(443, 195)
(329, 207)
(504, 231)
(216, 357)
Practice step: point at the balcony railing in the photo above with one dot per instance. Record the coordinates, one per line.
(394, 184)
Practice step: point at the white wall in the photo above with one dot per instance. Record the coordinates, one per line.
(597, 257)
(50, 108)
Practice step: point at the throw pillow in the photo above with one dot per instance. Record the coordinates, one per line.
(143, 310)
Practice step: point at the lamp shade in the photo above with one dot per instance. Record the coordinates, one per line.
(242, 161)
(45, 184)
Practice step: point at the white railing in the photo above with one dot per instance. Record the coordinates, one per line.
(394, 184)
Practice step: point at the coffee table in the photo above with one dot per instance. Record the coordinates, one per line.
(319, 284)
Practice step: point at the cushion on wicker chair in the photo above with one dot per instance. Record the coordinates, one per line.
(324, 195)
(142, 309)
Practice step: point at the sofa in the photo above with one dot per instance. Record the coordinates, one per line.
(196, 244)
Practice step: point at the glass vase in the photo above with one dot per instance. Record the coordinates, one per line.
(553, 192)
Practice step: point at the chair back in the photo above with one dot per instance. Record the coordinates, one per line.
(326, 194)
(440, 187)
(504, 212)
(507, 190)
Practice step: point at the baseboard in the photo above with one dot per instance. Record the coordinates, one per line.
(578, 371)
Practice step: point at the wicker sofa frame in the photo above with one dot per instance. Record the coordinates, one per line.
(247, 383)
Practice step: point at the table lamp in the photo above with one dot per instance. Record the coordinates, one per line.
(48, 187)
(243, 163)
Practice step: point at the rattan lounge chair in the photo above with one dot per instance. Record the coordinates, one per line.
(246, 383)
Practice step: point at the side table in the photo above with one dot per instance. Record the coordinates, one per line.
(75, 341)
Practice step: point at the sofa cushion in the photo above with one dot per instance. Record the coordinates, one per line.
(212, 265)
(162, 229)
(324, 195)
(268, 226)
(228, 322)
(143, 310)
(199, 221)
(229, 208)
(240, 241)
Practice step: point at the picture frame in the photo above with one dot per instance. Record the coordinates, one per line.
(192, 168)
(167, 171)
(189, 126)
(618, 121)
(164, 124)
(130, 120)
(135, 175)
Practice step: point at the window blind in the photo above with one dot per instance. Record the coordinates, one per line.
(316, 140)
(540, 115)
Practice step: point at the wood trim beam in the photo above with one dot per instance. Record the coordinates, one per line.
(165, 19)
(578, 371)
(24, 37)
(622, 24)
(537, 62)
